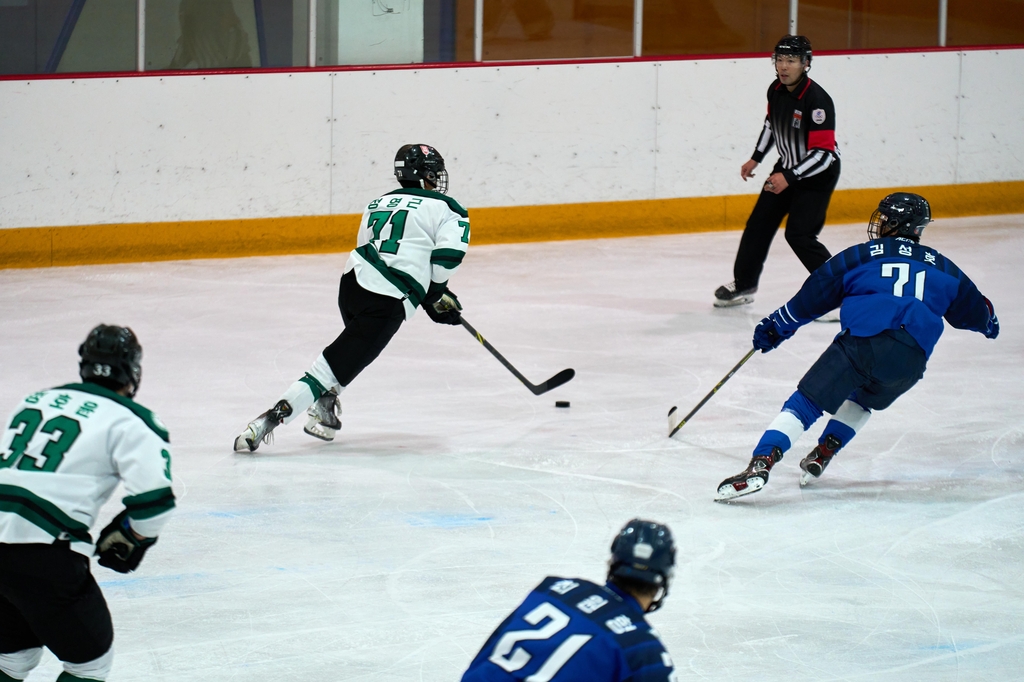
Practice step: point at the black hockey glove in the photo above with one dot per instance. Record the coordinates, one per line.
(445, 310)
(118, 548)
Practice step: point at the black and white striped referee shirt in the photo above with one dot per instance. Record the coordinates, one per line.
(802, 123)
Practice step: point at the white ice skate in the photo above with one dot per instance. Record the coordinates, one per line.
(261, 428)
(324, 417)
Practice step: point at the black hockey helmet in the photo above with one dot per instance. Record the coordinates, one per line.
(416, 163)
(644, 551)
(793, 46)
(900, 214)
(111, 357)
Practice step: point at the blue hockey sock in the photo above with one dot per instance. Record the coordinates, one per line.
(796, 417)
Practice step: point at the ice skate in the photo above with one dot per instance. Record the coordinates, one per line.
(324, 417)
(260, 429)
(814, 463)
(750, 481)
(728, 295)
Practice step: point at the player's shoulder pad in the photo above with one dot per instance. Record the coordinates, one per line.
(148, 417)
(455, 206)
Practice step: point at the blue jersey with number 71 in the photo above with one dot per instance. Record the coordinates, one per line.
(887, 284)
(572, 630)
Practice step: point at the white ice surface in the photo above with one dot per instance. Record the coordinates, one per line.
(391, 553)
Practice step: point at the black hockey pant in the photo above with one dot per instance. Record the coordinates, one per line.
(371, 320)
(806, 202)
(49, 598)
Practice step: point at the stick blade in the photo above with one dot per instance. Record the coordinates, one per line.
(562, 377)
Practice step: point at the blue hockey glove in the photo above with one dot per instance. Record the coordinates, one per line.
(992, 329)
(445, 310)
(118, 548)
(768, 335)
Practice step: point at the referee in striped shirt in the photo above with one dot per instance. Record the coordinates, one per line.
(801, 122)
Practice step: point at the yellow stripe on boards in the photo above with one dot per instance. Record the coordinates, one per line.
(139, 242)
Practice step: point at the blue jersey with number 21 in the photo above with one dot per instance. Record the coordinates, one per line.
(572, 630)
(887, 284)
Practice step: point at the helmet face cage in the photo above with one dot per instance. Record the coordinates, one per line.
(112, 357)
(900, 215)
(420, 164)
(644, 551)
(793, 46)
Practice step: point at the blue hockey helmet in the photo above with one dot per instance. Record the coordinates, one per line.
(644, 552)
(416, 163)
(111, 357)
(900, 214)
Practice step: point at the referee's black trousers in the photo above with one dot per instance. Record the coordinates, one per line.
(806, 202)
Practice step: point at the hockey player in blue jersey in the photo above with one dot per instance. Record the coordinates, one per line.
(573, 630)
(894, 293)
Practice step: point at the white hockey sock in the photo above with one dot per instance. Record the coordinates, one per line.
(19, 664)
(96, 669)
(789, 425)
(853, 415)
(307, 390)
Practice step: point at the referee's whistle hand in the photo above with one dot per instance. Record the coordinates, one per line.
(747, 169)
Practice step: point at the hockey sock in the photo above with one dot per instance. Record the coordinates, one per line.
(96, 669)
(798, 413)
(307, 390)
(849, 419)
(18, 664)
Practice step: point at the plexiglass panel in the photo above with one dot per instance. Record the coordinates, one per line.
(985, 22)
(200, 34)
(713, 26)
(45, 36)
(557, 29)
(869, 24)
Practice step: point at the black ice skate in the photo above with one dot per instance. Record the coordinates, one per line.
(728, 295)
(259, 429)
(324, 417)
(814, 463)
(751, 480)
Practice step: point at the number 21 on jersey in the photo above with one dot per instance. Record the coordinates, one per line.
(901, 273)
(511, 657)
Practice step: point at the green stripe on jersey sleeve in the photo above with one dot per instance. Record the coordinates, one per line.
(148, 505)
(447, 258)
(41, 512)
(151, 420)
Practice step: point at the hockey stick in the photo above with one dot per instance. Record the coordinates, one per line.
(673, 428)
(554, 382)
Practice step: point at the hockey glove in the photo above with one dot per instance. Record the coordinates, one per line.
(445, 310)
(118, 547)
(768, 335)
(992, 329)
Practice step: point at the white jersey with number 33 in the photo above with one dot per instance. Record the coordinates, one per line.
(62, 455)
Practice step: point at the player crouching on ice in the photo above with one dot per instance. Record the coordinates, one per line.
(63, 453)
(573, 630)
(894, 293)
(411, 241)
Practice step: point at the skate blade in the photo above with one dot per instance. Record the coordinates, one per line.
(805, 478)
(730, 491)
(739, 300)
(243, 444)
(318, 430)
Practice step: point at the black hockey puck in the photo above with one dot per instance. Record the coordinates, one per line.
(561, 403)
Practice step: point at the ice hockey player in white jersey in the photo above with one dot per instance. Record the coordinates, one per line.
(61, 457)
(410, 242)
